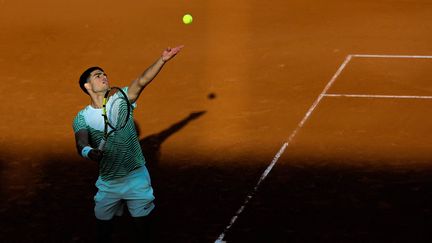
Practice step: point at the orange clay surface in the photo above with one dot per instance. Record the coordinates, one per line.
(359, 168)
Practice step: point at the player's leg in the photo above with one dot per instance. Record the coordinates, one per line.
(143, 216)
(104, 230)
(107, 205)
(144, 228)
(139, 200)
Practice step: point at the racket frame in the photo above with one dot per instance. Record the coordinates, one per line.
(105, 116)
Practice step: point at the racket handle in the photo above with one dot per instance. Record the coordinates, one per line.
(102, 144)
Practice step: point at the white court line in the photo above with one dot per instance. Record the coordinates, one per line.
(379, 96)
(391, 56)
(282, 149)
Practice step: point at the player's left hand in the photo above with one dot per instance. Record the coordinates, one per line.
(169, 53)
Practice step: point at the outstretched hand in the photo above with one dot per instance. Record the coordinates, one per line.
(169, 53)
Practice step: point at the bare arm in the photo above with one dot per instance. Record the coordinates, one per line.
(81, 140)
(137, 86)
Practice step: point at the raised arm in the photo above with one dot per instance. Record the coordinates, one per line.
(137, 86)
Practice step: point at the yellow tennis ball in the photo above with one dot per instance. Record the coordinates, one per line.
(187, 19)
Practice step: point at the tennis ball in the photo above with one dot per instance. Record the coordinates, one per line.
(187, 19)
(211, 96)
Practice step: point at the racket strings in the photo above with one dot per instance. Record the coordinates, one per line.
(117, 110)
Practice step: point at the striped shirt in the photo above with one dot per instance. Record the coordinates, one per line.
(122, 152)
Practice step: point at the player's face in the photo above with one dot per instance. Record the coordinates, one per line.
(99, 81)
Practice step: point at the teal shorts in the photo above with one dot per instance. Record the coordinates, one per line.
(133, 190)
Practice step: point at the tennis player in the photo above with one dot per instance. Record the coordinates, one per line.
(123, 177)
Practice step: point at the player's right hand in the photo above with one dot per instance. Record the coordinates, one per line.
(95, 155)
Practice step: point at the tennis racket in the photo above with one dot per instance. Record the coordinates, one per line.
(115, 111)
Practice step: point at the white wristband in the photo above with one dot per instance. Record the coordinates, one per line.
(85, 151)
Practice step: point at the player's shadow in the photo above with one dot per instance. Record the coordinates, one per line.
(151, 145)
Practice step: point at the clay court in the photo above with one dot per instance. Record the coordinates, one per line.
(279, 121)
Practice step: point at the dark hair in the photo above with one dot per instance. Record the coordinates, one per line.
(85, 75)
